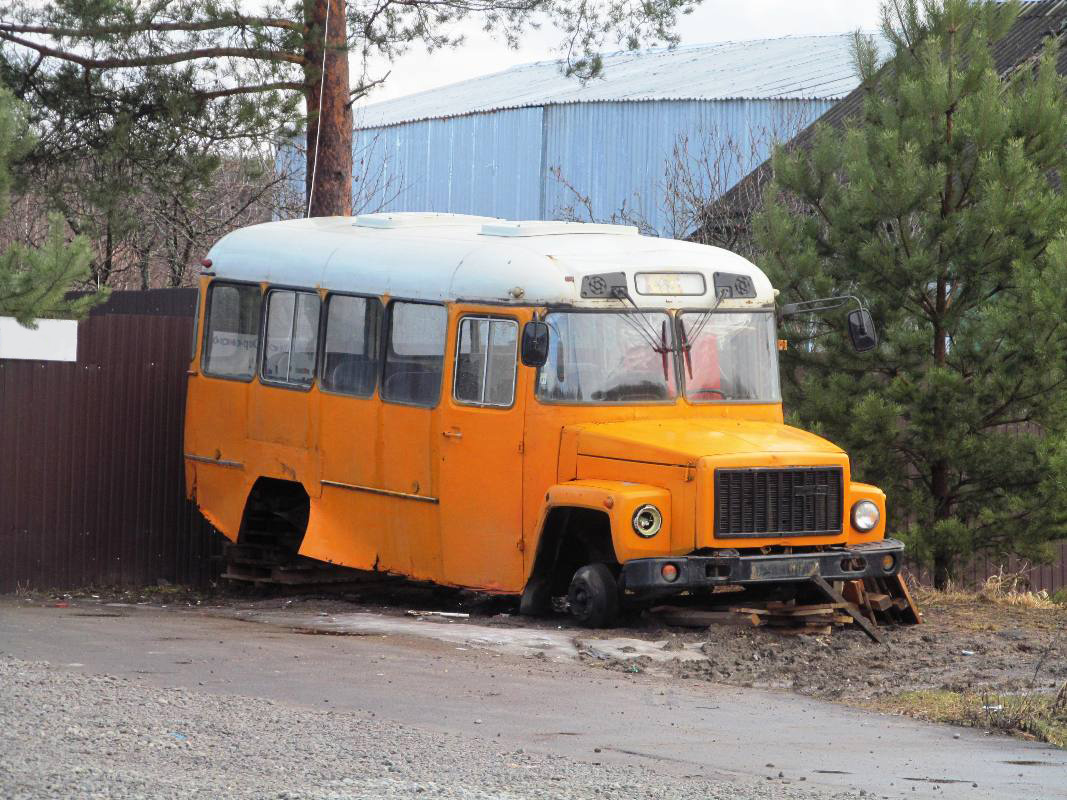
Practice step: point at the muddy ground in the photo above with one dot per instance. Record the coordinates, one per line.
(965, 644)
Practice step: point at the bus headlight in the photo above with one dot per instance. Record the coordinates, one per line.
(865, 516)
(647, 521)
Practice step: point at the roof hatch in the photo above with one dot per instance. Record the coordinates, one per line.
(538, 228)
(419, 219)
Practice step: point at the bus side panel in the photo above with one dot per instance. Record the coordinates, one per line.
(372, 446)
(215, 430)
(373, 532)
(221, 494)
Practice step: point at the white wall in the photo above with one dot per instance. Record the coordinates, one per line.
(53, 340)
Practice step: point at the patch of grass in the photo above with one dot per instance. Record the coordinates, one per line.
(1002, 589)
(1032, 715)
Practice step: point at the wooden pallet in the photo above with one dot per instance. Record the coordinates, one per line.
(865, 604)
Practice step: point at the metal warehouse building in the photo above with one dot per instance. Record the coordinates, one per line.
(497, 145)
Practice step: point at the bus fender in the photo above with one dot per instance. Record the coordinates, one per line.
(618, 501)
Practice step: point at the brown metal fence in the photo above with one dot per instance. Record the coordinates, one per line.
(91, 481)
(1049, 577)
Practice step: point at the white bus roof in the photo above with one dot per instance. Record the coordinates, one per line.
(448, 257)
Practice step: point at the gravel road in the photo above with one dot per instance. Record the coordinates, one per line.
(73, 735)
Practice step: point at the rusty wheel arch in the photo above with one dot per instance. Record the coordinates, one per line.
(571, 538)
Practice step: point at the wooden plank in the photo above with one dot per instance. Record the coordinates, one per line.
(849, 609)
(853, 592)
(900, 587)
(747, 610)
(806, 611)
(879, 602)
(699, 618)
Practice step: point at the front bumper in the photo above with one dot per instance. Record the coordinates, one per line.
(848, 563)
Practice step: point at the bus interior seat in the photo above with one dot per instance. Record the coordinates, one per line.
(350, 372)
(412, 382)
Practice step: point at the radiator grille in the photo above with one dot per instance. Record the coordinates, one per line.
(805, 501)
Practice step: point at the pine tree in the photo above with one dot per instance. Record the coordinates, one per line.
(34, 283)
(943, 208)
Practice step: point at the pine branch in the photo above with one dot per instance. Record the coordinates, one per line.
(154, 61)
(256, 89)
(235, 21)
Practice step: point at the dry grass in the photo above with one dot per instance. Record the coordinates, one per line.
(1002, 589)
(1031, 715)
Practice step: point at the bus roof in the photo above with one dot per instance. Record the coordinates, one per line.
(448, 257)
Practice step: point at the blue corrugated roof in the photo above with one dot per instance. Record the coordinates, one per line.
(789, 68)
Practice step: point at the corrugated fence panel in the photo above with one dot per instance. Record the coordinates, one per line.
(486, 164)
(616, 154)
(91, 473)
(1050, 577)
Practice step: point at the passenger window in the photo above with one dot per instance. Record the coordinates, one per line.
(485, 361)
(291, 337)
(231, 332)
(413, 360)
(350, 362)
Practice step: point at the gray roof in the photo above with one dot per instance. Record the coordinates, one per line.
(788, 68)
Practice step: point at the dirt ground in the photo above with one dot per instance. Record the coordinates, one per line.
(965, 644)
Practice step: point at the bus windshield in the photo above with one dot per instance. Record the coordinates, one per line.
(608, 358)
(631, 357)
(731, 356)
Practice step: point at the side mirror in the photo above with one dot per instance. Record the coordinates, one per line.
(861, 330)
(534, 352)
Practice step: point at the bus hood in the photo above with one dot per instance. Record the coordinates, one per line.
(683, 441)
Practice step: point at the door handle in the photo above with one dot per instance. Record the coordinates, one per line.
(453, 434)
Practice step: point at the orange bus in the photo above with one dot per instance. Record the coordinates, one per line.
(542, 409)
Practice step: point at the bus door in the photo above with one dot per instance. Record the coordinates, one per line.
(480, 441)
(279, 413)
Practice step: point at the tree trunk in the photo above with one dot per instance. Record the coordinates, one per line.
(942, 570)
(329, 130)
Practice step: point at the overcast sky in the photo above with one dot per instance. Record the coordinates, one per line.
(713, 21)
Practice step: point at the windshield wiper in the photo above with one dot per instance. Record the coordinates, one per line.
(702, 321)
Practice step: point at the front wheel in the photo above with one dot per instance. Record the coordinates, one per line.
(594, 596)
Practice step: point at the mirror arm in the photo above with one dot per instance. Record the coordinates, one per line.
(819, 305)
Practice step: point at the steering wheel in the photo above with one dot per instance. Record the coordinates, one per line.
(719, 392)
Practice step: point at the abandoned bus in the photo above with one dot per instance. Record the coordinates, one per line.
(538, 408)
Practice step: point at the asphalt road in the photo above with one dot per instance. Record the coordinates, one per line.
(668, 730)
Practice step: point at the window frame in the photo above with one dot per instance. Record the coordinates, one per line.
(204, 348)
(324, 321)
(264, 321)
(485, 372)
(387, 348)
(196, 325)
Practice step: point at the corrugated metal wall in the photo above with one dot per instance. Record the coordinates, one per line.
(485, 164)
(615, 153)
(618, 153)
(91, 473)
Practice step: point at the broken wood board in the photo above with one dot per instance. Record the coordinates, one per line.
(849, 609)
